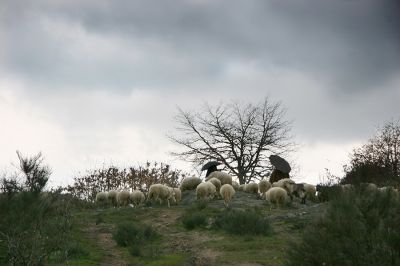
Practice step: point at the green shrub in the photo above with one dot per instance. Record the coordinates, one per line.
(200, 205)
(135, 250)
(99, 219)
(243, 222)
(359, 229)
(194, 219)
(34, 228)
(128, 234)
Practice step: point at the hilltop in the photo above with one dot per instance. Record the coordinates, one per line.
(204, 245)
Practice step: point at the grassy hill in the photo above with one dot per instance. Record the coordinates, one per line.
(205, 244)
(356, 227)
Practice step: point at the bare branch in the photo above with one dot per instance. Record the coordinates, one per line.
(241, 136)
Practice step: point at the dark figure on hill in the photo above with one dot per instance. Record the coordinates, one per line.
(211, 169)
(277, 175)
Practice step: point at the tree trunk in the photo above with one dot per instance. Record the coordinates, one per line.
(242, 177)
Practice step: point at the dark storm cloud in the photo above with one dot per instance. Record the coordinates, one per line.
(347, 45)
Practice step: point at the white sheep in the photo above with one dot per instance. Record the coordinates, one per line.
(137, 197)
(369, 187)
(227, 192)
(263, 187)
(241, 187)
(346, 187)
(222, 176)
(177, 195)
(216, 183)
(276, 195)
(287, 184)
(190, 183)
(251, 188)
(310, 192)
(235, 185)
(161, 193)
(393, 191)
(101, 197)
(112, 197)
(123, 198)
(205, 190)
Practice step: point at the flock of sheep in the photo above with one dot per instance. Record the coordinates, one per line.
(217, 185)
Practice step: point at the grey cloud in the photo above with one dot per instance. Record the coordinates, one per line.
(349, 45)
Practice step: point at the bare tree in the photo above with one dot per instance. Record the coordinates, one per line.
(241, 136)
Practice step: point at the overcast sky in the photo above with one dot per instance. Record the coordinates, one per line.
(98, 82)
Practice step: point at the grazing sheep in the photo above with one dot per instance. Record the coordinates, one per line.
(310, 192)
(390, 190)
(159, 192)
(251, 188)
(223, 177)
(287, 184)
(190, 183)
(369, 187)
(227, 193)
(241, 187)
(276, 195)
(112, 197)
(101, 197)
(205, 190)
(263, 187)
(123, 198)
(137, 197)
(346, 187)
(299, 191)
(177, 195)
(216, 183)
(235, 185)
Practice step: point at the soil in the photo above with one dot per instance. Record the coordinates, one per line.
(101, 235)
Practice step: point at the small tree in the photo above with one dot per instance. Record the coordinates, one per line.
(242, 136)
(377, 161)
(35, 173)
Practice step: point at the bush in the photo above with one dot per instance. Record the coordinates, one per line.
(243, 222)
(128, 234)
(34, 228)
(192, 220)
(134, 250)
(141, 177)
(358, 229)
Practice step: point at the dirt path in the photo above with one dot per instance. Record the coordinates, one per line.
(189, 242)
(107, 247)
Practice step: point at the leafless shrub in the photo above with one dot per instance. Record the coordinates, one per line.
(113, 178)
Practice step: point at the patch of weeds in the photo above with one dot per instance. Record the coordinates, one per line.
(359, 228)
(199, 205)
(169, 260)
(99, 219)
(248, 238)
(128, 234)
(243, 223)
(194, 219)
(147, 203)
(297, 223)
(135, 250)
